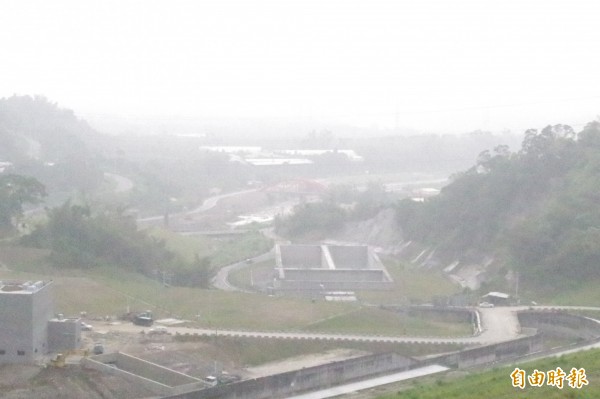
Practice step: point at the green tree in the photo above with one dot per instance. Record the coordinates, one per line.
(321, 217)
(15, 191)
(81, 237)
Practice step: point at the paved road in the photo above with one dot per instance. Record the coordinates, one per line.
(499, 324)
(208, 203)
(221, 279)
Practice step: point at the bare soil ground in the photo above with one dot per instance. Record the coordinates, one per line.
(71, 382)
(198, 359)
(303, 361)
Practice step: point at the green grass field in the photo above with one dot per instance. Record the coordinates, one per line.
(260, 271)
(110, 291)
(497, 383)
(411, 285)
(585, 294)
(372, 321)
(255, 351)
(222, 251)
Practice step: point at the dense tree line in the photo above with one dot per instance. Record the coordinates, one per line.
(339, 205)
(15, 191)
(536, 208)
(312, 218)
(79, 237)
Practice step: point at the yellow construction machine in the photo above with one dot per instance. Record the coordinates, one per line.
(61, 359)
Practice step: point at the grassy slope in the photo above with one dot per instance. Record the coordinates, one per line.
(585, 294)
(373, 321)
(242, 277)
(411, 284)
(223, 251)
(255, 351)
(497, 383)
(110, 291)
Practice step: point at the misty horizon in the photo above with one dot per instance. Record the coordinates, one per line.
(429, 67)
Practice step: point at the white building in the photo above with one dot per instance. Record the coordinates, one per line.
(27, 328)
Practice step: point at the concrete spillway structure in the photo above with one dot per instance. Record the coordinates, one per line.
(329, 268)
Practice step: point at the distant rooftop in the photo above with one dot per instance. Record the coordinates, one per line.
(351, 154)
(21, 287)
(278, 161)
(231, 149)
(496, 294)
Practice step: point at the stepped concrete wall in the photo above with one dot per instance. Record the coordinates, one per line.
(310, 378)
(157, 378)
(561, 324)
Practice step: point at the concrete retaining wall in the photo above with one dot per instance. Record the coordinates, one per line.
(285, 384)
(333, 276)
(286, 285)
(561, 324)
(458, 314)
(488, 353)
(108, 368)
(152, 371)
(157, 378)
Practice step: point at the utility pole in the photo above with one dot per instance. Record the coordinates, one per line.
(517, 288)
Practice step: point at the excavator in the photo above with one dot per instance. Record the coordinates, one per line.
(61, 359)
(139, 318)
(143, 318)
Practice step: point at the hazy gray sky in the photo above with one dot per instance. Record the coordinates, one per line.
(441, 65)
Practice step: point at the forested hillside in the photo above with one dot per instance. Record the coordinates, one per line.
(537, 210)
(42, 140)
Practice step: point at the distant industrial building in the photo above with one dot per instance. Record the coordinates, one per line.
(326, 268)
(351, 154)
(278, 161)
(28, 328)
(231, 149)
(257, 156)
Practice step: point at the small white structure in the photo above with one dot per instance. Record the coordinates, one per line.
(497, 298)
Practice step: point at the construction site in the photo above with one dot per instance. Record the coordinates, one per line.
(172, 358)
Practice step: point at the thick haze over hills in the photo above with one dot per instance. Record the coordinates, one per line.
(430, 66)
